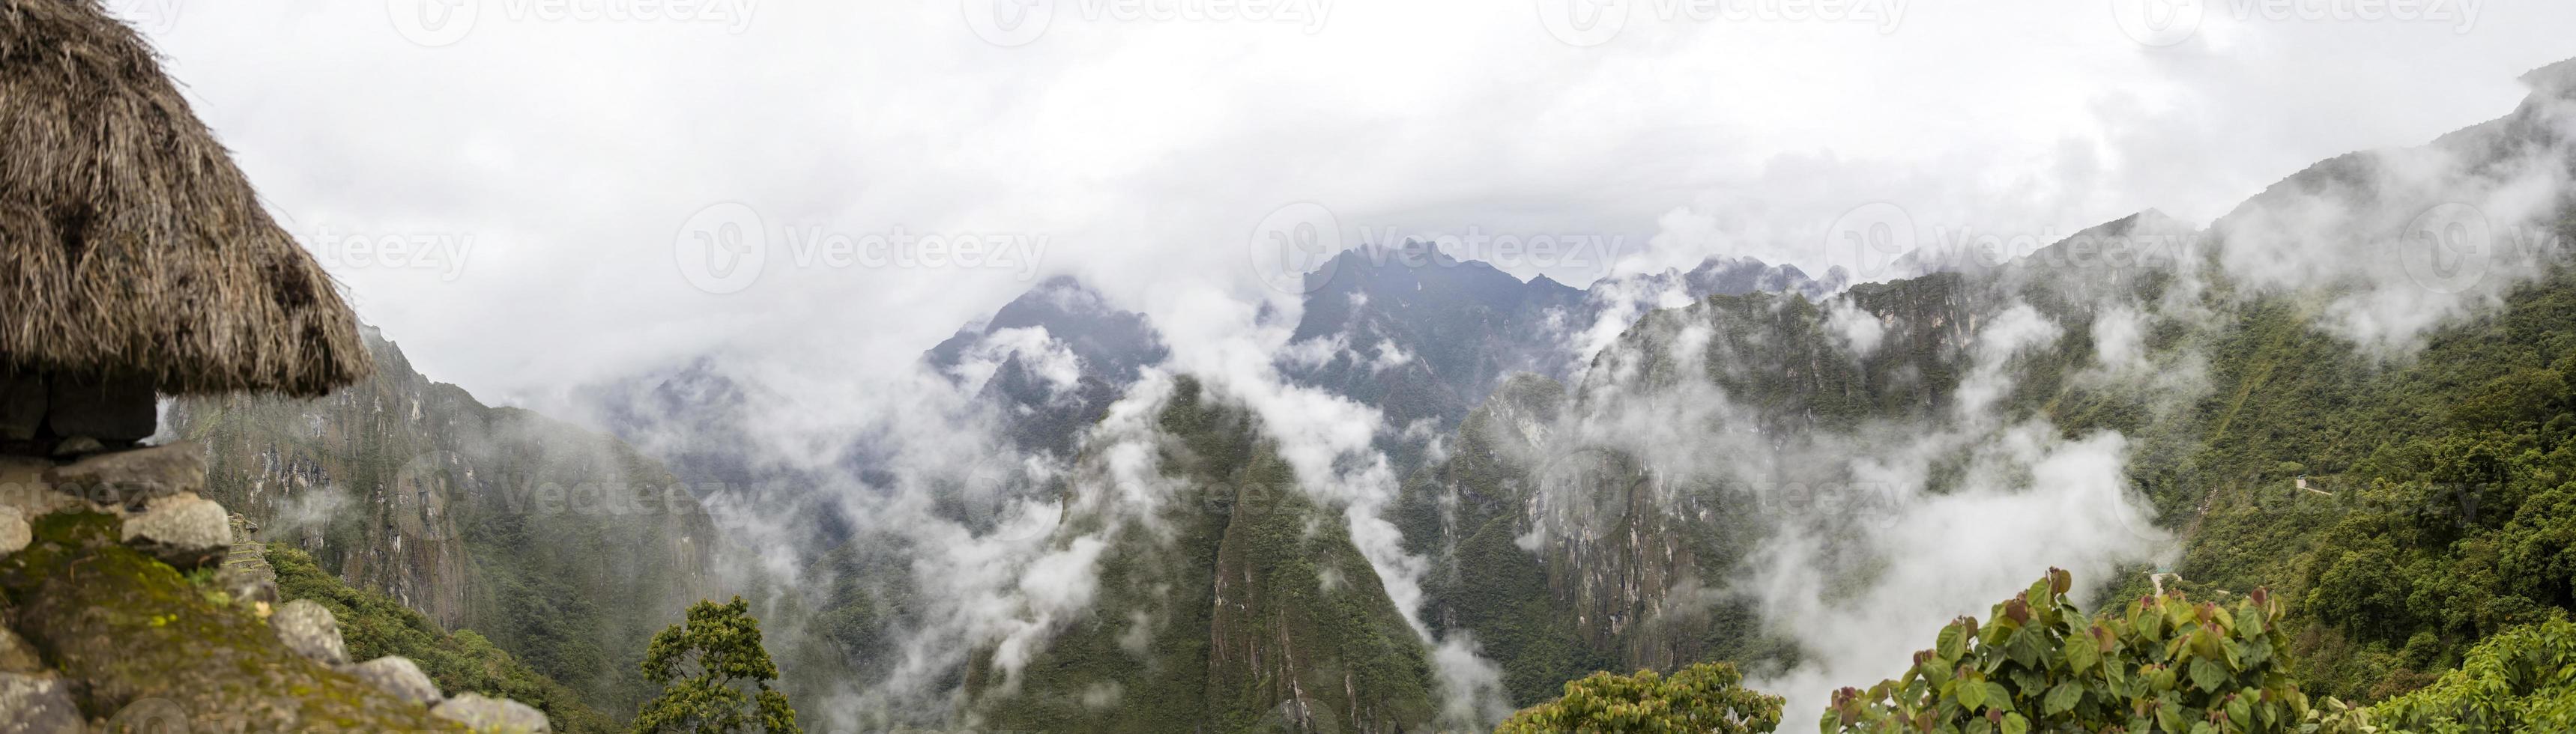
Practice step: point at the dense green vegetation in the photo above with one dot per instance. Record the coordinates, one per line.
(2038, 663)
(2523, 679)
(1706, 698)
(715, 675)
(462, 661)
(2438, 509)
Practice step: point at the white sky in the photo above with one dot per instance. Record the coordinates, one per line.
(574, 151)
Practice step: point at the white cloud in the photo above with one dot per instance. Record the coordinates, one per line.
(573, 151)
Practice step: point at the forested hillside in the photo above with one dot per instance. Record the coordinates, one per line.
(562, 546)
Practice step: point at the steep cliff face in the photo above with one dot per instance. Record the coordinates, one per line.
(563, 546)
(1243, 606)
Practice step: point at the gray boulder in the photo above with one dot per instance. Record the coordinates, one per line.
(309, 629)
(134, 477)
(399, 676)
(15, 533)
(183, 530)
(37, 704)
(486, 714)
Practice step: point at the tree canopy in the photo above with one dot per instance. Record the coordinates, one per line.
(715, 675)
(1703, 698)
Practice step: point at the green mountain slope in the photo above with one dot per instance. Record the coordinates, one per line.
(564, 547)
(375, 625)
(1244, 607)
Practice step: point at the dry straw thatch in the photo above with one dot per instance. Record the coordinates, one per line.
(130, 245)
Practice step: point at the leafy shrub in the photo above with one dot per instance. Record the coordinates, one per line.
(1703, 698)
(2158, 664)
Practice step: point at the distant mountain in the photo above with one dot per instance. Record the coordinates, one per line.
(1423, 336)
(1420, 335)
(2254, 413)
(1051, 361)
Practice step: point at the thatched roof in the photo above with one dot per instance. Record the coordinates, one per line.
(129, 243)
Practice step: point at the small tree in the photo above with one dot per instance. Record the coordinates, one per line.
(1703, 698)
(703, 665)
(2037, 664)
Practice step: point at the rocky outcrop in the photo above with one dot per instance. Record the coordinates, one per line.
(125, 632)
(183, 530)
(398, 676)
(487, 714)
(309, 630)
(132, 478)
(91, 551)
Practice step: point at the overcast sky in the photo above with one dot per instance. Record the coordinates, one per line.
(555, 171)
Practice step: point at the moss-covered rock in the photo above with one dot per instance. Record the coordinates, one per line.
(133, 630)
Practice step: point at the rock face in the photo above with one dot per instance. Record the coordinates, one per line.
(37, 704)
(414, 489)
(133, 478)
(399, 676)
(309, 630)
(485, 714)
(185, 531)
(14, 532)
